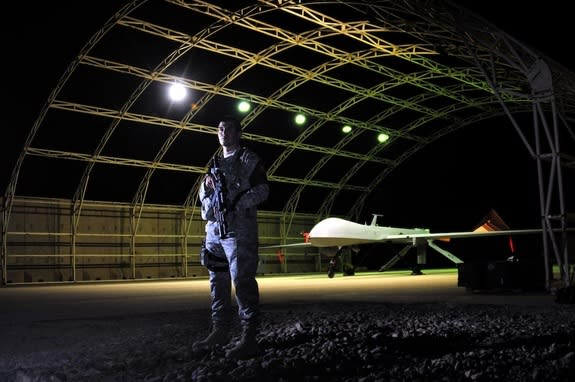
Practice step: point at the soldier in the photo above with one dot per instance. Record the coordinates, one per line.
(230, 195)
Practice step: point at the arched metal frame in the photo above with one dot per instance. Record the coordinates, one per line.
(414, 70)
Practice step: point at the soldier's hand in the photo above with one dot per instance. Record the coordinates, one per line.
(209, 183)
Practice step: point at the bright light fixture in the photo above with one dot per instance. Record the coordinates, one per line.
(382, 137)
(244, 106)
(178, 92)
(346, 129)
(300, 119)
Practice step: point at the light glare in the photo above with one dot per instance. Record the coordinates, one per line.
(300, 119)
(244, 106)
(178, 92)
(382, 138)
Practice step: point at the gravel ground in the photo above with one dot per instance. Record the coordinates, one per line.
(307, 342)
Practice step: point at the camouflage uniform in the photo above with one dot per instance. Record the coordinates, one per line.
(246, 187)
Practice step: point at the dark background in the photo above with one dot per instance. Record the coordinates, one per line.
(448, 186)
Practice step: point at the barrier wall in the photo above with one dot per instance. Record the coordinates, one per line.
(47, 240)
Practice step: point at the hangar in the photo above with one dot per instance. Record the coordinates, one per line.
(377, 82)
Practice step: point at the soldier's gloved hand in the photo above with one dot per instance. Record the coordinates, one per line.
(209, 183)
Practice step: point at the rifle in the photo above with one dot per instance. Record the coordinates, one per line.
(219, 198)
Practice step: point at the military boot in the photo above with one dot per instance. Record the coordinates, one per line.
(247, 346)
(219, 335)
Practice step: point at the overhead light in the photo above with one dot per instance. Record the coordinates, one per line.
(382, 137)
(177, 92)
(346, 129)
(299, 119)
(244, 106)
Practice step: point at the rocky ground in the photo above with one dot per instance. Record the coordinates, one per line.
(308, 342)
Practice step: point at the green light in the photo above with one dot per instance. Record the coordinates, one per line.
(346, 129)
(382, 137)
(244, 106)
(300, 119)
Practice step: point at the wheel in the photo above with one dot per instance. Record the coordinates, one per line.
(330, 272)
(331, 269)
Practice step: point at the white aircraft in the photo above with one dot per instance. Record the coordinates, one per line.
(332, 234)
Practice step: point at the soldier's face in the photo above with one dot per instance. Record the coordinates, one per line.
(228, 134)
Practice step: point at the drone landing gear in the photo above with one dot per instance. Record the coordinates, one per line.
(331, 267)
(416, 270)
(346, 266)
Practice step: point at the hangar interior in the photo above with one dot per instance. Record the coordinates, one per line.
(377, 81)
